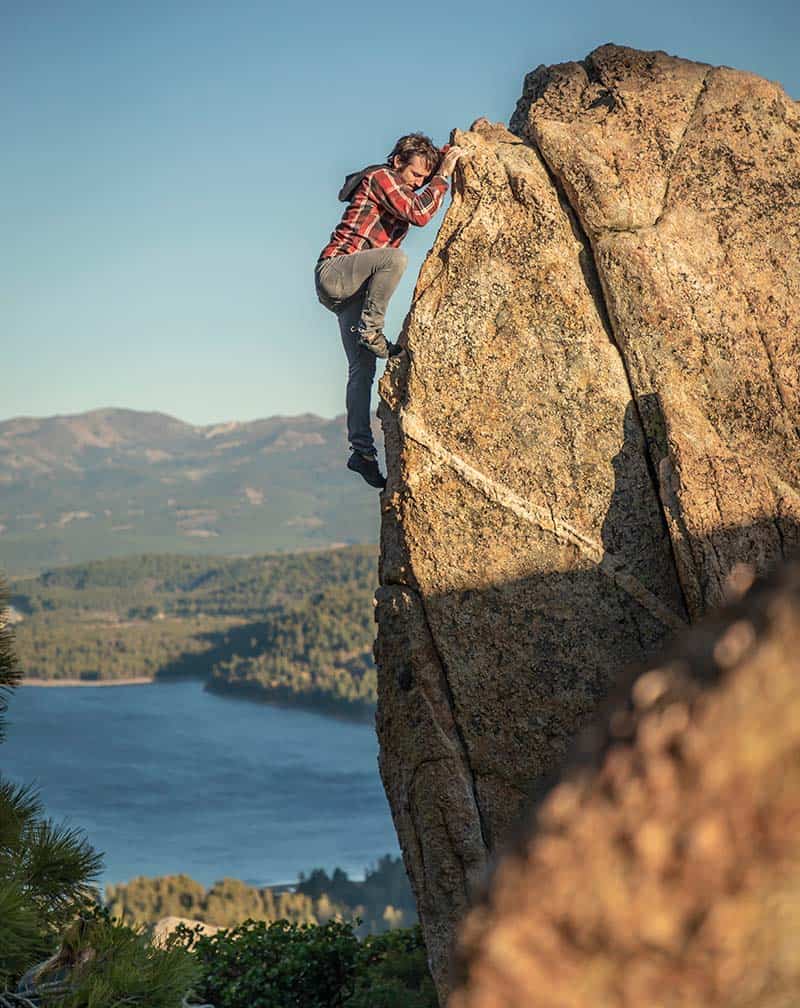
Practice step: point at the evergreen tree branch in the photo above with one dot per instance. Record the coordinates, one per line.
(10, 671)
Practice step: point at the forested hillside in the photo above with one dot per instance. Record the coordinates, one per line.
(288, 628)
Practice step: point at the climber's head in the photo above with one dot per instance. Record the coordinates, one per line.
(414, 158)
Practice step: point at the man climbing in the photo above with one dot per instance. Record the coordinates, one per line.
(360, 267)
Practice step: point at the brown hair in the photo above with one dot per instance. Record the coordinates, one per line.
(414, 144)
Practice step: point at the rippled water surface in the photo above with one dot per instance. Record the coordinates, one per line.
(166, 778)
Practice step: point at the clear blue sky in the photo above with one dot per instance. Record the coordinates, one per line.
(169, 173)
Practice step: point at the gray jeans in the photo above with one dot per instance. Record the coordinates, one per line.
(357, 288)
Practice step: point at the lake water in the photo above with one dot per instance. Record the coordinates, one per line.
(166, 778)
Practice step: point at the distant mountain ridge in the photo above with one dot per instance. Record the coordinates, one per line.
(118, 481)
(36, 442)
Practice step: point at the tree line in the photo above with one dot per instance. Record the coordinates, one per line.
(285, 628)
(382, 901)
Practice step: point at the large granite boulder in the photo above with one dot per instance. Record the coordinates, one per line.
(595, 421)
(664, 869)
(686, 179)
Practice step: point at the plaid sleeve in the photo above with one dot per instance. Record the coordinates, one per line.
(402, 201)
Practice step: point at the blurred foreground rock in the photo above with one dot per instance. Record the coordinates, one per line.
(664, 870)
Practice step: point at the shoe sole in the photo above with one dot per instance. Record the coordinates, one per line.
(377, 486)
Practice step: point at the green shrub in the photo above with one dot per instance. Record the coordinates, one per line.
(278, 965)
(284, 965)
(392, 972)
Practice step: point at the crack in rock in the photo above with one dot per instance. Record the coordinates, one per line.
(595, 284)
(500, 494)
(679, 145)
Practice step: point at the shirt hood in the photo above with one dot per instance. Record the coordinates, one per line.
(351, 182)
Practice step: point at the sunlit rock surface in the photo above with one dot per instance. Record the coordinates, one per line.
(687, 179)
(595, 421)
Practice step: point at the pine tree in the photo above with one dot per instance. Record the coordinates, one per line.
(46, 870)
(50, 910)
(10, 672)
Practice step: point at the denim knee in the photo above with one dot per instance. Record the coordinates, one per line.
(400, 259)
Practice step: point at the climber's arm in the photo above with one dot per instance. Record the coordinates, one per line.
(402, 201)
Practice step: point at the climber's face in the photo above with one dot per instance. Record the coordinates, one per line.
(415, 172)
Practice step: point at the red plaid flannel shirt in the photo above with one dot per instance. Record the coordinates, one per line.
(380, 212)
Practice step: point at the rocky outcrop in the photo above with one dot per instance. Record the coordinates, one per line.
(594, 422)
(686, 178)
(164, 928)
(665, 870)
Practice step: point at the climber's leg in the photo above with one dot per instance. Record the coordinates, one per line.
(360, 375)
(374, 273)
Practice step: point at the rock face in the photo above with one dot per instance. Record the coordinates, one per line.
(666, 869)
(595, 421)
(687, 180)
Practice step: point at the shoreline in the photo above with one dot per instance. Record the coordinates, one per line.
(361, 713)
(137, 681)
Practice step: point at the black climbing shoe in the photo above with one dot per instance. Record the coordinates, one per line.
(375, 342)
(367, 465)
(395, 349)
